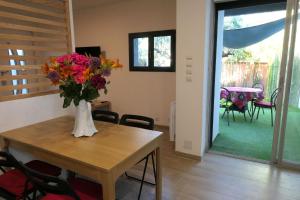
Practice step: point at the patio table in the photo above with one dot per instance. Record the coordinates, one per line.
(240, 96)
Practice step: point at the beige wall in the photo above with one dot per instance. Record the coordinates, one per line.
(194, 41)
(144, 93)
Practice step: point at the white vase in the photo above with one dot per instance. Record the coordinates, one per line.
(84, 124)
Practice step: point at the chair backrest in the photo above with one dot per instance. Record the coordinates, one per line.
(274, 97)
(227, 93)
(137, 121)
(258, 85)
(43, 183)
(106, 116)
(7, 160)
(49, 184)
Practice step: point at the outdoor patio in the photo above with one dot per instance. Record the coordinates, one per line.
(254, 140)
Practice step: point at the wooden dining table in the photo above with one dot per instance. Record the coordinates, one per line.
(103, 157)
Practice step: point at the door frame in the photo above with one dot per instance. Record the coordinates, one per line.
(224, 6)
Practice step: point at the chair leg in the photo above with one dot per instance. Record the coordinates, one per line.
(263, 110)
(250, 115)
(253, 112)
(258, 112)
(233, 115)
(228, 117)
(272, 116)
(143, 178)
(224, 113)
(245, 116)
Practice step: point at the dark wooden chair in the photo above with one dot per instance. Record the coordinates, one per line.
(267, 105)
(54, 188)
(106, 116)
(146, 123)
(13, 182)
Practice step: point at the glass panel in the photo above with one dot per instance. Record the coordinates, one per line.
(162, 51)
(141, 52)
(292, 134)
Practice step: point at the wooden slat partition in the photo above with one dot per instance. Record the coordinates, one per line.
(31, 19)
(38, 29)
(30, 38)
(19, 67)
(19, 6)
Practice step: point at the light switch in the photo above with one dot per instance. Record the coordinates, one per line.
(189, 71)
(188, 78)
(189, 61)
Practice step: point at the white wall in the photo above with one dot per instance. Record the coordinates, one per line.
(108, 25)
(194, 39)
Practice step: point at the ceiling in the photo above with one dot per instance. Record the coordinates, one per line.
(83, 4)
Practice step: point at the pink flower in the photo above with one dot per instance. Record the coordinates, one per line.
(65, 59)
(79, 59)
(78, 73)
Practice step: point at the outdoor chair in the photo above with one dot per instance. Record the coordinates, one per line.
(259, 86)
(266, 104)
(228, 105)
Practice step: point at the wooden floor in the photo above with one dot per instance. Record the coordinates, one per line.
(216, 177)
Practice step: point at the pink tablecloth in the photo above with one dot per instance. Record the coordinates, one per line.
(240, 96)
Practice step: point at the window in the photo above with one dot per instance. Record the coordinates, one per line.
(30, 32)
(152, 51)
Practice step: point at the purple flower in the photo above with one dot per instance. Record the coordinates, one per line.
(98, 82)
(106, 72)
(54, 77)
(94, 63)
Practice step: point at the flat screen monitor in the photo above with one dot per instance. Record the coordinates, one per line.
(94, 51)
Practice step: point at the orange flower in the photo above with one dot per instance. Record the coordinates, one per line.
(65, 71)
(86, 73)
(117, 64)
(103, 59)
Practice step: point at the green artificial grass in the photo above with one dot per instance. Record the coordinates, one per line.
(255, 139)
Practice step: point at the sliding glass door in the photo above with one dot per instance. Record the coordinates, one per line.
(287, 134)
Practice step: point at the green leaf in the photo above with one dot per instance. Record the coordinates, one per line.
(76, 101)
(67, 102)
(89, 93)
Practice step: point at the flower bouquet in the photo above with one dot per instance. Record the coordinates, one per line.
(80, 79)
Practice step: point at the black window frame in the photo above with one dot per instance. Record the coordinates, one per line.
(150, 36)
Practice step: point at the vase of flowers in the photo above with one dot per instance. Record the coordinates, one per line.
(80, 79)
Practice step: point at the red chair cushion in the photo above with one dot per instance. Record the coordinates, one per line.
(13, 181)
(263, 104)
(56, 197)
(44, 167)
(86, 190)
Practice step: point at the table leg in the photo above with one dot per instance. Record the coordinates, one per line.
(109, 188)
(4, 144)
(158, 175)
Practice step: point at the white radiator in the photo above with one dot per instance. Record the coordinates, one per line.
(172, 124)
